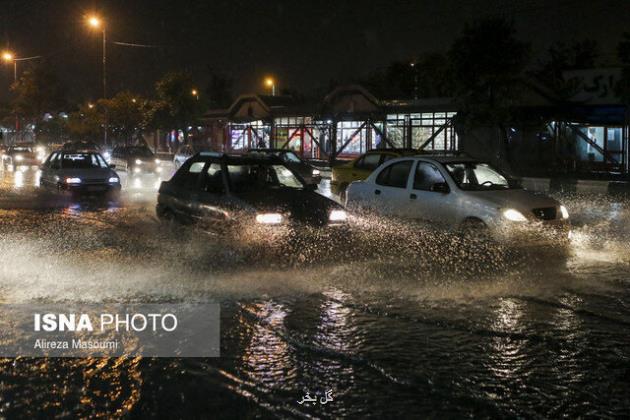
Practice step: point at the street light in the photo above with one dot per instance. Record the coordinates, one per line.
(195, 93)
(269, 82)
(9, 57)
(96, 22)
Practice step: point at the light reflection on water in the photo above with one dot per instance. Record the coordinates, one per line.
(398, 326)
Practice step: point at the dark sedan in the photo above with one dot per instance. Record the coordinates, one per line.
(135, 159)
(226, 191)
(308, 172)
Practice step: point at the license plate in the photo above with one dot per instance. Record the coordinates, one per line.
(96, 188)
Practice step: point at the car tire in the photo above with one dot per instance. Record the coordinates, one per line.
(474, 227)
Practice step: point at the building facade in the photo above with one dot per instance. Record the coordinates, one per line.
(582, 135)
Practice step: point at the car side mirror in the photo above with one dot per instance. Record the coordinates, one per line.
(441, 187)
(112, 166)
(310, 187)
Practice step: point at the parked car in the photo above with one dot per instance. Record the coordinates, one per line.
(457, 193)
(222, 191)
(79, 172)
(308, 172)
(184, 153)
(361, 167)
(135, 159)
(20, 154)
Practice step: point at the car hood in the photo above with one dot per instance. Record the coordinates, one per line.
(518, 199)
(302, 205)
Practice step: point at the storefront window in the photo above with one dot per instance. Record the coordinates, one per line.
(415, 129)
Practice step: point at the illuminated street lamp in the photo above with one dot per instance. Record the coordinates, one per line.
(195, 93)
(9, 57)
(96, 23)
(270, 83)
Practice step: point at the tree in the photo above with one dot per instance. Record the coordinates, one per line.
(427, 76)
(124, 114)
(176, 106)
(487, 63)
(86, 123)
(562, 57)
(37, 92)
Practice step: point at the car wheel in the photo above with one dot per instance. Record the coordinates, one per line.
(474, 227)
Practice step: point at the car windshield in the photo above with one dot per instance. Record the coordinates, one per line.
(289, 157)
(477, 176)
(244, 178)
(82, 161)
(140, 151)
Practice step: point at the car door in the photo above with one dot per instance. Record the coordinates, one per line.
(429, 196)
(389, 191)
(185, 194)
(211, 198)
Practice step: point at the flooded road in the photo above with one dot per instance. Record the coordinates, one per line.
(397, 320)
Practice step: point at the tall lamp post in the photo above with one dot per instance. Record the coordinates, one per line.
(270, 83)
(9, 57)
(96, 22)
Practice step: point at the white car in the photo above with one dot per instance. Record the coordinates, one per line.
(458, 193)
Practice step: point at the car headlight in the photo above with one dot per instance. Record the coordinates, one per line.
(136, 170)
(138, 162)
(157, 161)
(269, 218)
(564, 212)
(114, 180)
(73, 180)
(338, 216)
(514, 215)
(316, 172)
(107, 155)
(19, 158)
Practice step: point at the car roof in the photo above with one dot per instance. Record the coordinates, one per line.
(400, 151)
(237, 159)
(438, 158)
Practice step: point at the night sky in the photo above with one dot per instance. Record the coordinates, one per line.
(304, 44)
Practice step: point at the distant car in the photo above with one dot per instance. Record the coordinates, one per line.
(184, 153)
(361, 167)
(308, 172)
(135, 159)
(79, 172)
(21, 154)
(223, 191)
(457, 193)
